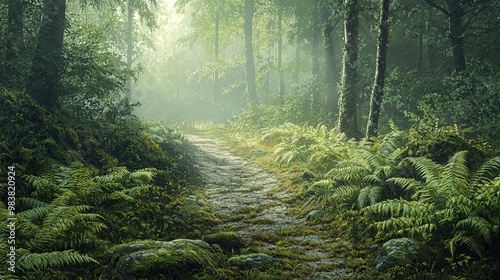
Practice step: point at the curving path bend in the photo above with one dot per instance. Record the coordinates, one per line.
(235, 186)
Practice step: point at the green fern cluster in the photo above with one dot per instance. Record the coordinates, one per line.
(449, 204)
(362, 176)
(317, 146)
(64, 218)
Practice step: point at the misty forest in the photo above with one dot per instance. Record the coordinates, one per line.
(250, 139)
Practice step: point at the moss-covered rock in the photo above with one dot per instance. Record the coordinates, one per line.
(253, 261)
(149, 258)
(398, 252)
(226, 240)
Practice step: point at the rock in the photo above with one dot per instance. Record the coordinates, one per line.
(226, 240)
(150, 258)
(398, 252)
(315, 215)
(200, 202)
(253, 261)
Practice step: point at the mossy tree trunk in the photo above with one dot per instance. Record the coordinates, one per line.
(378, 85)
(348, 122)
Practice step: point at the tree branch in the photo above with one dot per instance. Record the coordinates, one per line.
(431, 3)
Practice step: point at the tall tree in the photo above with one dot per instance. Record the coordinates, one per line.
(130, 46)
(315, 53)
(331, 94)
(215, 96)
(45, 70)
(455, 12)
(281, 74)
(348, 122)
(250, 63)
(15, 37)
(378, 85)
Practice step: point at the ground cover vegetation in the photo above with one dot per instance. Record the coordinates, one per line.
(437, 188)
(408, 154)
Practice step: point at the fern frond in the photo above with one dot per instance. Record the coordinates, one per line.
(476, 225)
(487, 172)
(42, 261)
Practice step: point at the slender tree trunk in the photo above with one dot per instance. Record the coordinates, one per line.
(130, 25)
(281, 75)
(432, 51)
(456, 34)
(331, 101)
(420, 53)
(348, 122)
(378, 85)
(250, 64)
(315, 42)
(45, 69)
(15, 37)
(215, 97)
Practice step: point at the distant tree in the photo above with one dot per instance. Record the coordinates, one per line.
(315, 52)
(130, 46)
(348, 122)
(250, 63)
(45, 70)
(281, 74)
(456, 12)
(331, 105)
(215, 95)
(378, 85)
(15, 37)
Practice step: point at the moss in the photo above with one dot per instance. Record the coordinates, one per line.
(226, 240)
(149, 258)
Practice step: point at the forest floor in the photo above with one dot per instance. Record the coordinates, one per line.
(251, 201)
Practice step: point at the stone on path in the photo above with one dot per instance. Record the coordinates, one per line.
(150, 258)
(253, 261)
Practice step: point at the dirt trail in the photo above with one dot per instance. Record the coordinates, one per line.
(236, 187)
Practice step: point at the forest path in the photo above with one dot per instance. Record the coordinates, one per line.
(247, 200)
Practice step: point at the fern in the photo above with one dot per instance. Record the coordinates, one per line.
(37, 262)
(448, 205)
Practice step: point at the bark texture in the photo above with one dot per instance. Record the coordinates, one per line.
(378, 85)
(348, 122)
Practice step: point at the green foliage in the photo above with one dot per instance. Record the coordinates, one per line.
(449, 206)
(295, 110)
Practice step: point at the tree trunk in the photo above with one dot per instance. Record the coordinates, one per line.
(46, 65)
(250, 64)
(420, 53)
(281, 75)
(14, 44)
(454, 13)
(331, 102)
(130, 25)
(456, 34)
(315, 42)
(378, 85)
(348, 122)
(215, 97)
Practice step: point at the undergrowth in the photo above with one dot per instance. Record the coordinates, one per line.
(435, 186)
